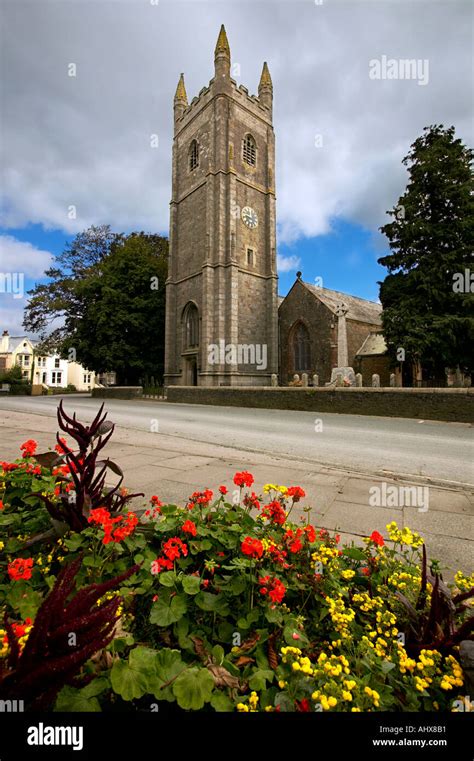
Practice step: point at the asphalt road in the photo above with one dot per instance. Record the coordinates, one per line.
(441, 451)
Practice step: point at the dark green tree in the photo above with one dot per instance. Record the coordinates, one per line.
(427, 296)
(108, 294)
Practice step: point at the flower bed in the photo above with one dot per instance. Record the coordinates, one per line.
(226, 603)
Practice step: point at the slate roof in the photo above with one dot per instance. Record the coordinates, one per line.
(15, 341)
(373, 345)
(358, 309)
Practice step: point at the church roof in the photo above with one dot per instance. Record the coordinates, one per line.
(359, 309)
(373, 345)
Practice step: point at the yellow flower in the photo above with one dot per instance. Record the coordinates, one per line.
(1, 546)
(348, 574)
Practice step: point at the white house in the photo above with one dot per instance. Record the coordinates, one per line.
(50, 371)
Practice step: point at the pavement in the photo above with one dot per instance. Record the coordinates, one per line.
(174, 464)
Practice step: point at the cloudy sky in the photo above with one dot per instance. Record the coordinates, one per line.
(84, 140)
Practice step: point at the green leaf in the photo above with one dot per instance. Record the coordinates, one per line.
(168, 666)
(258, 680)
(24, 600)
(72, 700)
(212, 602)
(193, 688)
(168, 609)
(167, 579)
(274, 615)
(218, 654)
(191, 584)
(94, 688)
(74, 542)
(387, 666)
(132, 680)
(221, 702)
(354, 553)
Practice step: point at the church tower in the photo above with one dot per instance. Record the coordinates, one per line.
(221, 292)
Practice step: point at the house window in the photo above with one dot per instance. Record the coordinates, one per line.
(26, 360)
(301, 349)
(44, 378)
(191, 326)
(193, 155)
(249, 150)
(250, 257)
(56, 362)
(56, 378)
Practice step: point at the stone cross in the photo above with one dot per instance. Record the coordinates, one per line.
(342, 356)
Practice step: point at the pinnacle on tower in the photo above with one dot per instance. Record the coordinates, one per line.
(181, 91)
(222, 55)
(265, 79)
(222, 44)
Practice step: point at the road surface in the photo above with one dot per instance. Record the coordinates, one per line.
(440, 451)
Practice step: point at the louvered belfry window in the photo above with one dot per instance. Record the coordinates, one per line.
(249, 151)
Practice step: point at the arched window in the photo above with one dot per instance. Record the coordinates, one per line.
(193, 155)
(191, 326)
(249, 150)
(301, 349)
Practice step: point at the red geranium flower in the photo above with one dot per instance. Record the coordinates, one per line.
(29, 447)
(251, 501)
(275, 512)
(243, 479)
(20, 569)
(273, 587)
(1, 505)
(296, 492)
(377, 538)
(310, 533)
(223, 489)
(189, 528)
(174, 548)
(252, 547)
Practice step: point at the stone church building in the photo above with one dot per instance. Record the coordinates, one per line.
(225, 324)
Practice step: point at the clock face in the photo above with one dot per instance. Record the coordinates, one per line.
(249, 217)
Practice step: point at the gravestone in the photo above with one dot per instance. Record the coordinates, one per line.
(296, 378)
(359, 380)
(315, 380)
(346, 372)
(392, 380)
(375, 380)
(304, 379)
(274, 380)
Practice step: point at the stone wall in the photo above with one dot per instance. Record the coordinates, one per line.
(118, 392)
(453, 404)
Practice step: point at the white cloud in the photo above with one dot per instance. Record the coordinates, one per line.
(22, 257)
(287, 263)
(85, 140)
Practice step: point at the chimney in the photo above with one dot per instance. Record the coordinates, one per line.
(4, 341)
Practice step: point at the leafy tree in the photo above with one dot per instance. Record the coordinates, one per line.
(50, 303)
(431, 237)
(108, 290)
